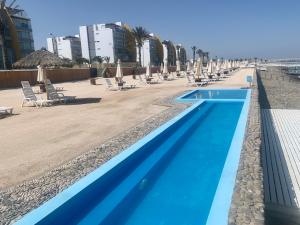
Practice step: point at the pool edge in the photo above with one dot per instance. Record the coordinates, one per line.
(220, 207)
(36, 215)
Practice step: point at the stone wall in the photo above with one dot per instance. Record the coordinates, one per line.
(13, 78)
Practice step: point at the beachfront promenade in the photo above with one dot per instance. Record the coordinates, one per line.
(39, 139)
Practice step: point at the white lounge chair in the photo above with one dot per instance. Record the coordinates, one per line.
(6, 110)
(56, 88)
(150, 80)
(30, 98)
(146, 81)
(166, 77)
(192, 82)
(27, 84)
(58, 97)
(110, 86)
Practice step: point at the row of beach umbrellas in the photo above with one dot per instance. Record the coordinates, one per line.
(213, 66)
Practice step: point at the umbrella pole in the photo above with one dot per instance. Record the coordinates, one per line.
(46, 83)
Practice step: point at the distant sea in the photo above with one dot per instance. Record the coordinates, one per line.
(291, 67)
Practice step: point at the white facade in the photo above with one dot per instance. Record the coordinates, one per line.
(105, 40)
(181, 54)
(169, 52)
(165, 48)
(65, 47)
(149, 52)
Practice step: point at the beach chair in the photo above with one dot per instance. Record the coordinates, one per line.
(27, 84)
(128, 86)
(192, 82)
(150, 81)
(141, 79)
(146, 81)
(166, 77)
(6, 110)
(58, 97)
(173, 76)
(110, 86)
(56, 88)
(30, 98)
(160, 76)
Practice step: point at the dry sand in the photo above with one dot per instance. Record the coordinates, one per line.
(35, 140)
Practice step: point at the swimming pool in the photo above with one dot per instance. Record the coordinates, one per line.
(181, 173)
(213, 94)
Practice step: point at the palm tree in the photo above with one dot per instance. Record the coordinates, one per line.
(194, 48)
(2, 41)
(106, 59)
(97, 59)
(81, 61)
(140, 34)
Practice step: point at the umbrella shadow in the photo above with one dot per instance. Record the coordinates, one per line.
(3, 116)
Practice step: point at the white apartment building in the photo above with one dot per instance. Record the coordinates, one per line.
(65, 47)
(181, 54)
(169, 52)
(149, 52)
(105, 40)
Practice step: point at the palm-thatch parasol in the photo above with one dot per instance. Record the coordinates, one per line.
(43, 58)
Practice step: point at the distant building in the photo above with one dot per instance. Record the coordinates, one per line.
(169, 52)
(181, 54)
(150, 52)
(65, 47)
(105, 40)
(18, 39)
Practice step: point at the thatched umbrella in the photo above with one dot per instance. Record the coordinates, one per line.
(42, 58)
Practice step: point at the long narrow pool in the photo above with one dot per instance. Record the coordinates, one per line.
(168, 178)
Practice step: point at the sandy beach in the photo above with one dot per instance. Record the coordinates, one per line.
(36, 140)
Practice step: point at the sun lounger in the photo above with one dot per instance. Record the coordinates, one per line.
(56, 88)
(110, 86)
(192, 82)
(173, 76)
(58, 97)
(6, 110)
(128, 86)
(30, 98)
(150, 80)
(147, 81)
(166, 77)
(27, 84)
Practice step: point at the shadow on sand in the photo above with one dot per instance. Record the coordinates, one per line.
(82, 101)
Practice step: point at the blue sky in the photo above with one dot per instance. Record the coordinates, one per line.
(225, 28)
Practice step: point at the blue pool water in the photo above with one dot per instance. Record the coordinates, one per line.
(182, 190)
(170, 177)
(216, 94)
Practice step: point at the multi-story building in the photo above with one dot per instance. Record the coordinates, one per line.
(150, 54)
(106, 40)
(169, 52)
(181, 54)
(65, 47)
(17, 35)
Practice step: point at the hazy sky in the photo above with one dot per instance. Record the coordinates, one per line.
(225, 28)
